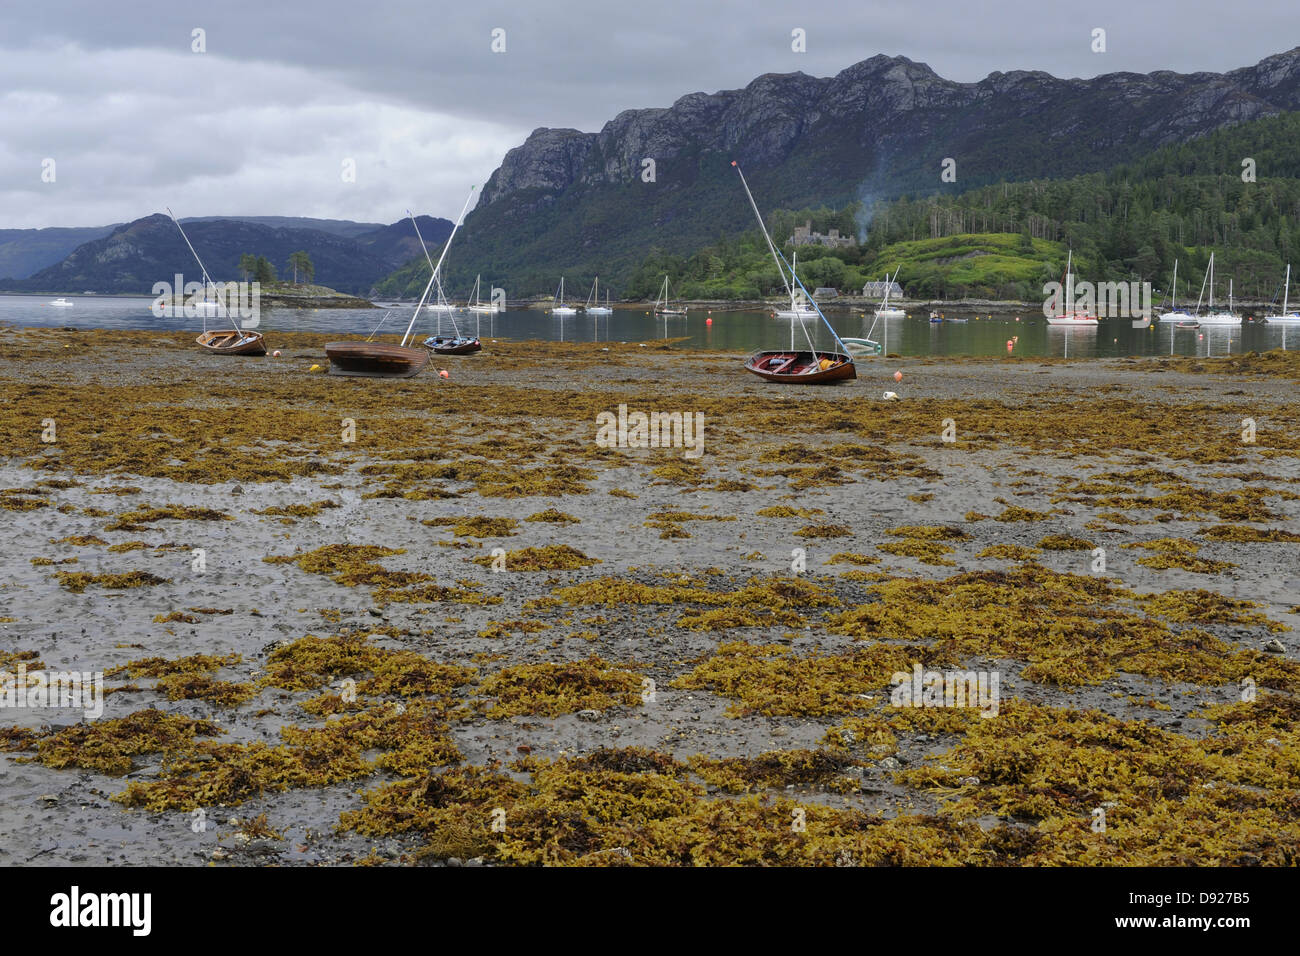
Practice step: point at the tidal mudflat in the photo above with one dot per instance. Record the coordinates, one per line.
(345, 621)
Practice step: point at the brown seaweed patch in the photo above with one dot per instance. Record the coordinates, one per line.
(550, 689)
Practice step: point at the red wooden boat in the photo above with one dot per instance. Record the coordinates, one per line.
(375, 359)
(793, 366)
(802, 368)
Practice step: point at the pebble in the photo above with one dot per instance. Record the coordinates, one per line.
(589, 715)
(1275, 647)
(970, 781)
(889, 763)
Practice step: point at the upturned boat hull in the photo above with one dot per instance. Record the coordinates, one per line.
(801, 368)
(375, 360)
(230, 342)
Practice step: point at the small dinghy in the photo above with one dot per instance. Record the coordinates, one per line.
(61, 304)
(1188, 325)
(233, 342)
(802, 368)
(452, 345)
(794, 366)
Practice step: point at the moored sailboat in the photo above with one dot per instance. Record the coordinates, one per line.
(558, 306)
(1071, 318)
(1212, 317)
(799, 307)
(885, 312)
(1287, 317)
(663, 304)
(593, 300)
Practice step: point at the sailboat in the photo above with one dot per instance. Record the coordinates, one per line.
(1212, 317)
(1073, 318)
(455, 344)
(593, 300)
(476, 304)
(812, 366)
(663, 305)
(380, 360)
(557, 306)
(232, 341)
(1286, 318)
(1176, 314)
(885, 312)
(799, 307)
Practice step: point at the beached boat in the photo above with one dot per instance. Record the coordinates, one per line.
(1074, 318)
(233, 341)
(1287, 317)
(802, 367)
(593, 300)
(558, 306)
(378, 359)
(375, 359)
(798, 366)
(452, 345)
(663, 304)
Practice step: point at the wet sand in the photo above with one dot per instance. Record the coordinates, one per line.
(693, 663)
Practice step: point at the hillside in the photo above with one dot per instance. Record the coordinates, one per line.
(135, 256)
(571, 202)
(25, 251)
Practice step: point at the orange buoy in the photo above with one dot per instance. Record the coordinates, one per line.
(898, 376)
(275, 354)
(708, 321)
(443, 373)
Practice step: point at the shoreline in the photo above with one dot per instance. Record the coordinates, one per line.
(824, 540)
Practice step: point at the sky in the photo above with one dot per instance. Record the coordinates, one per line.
(361, 110)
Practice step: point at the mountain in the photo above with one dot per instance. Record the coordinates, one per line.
(571, 202)
(338, 227)
(135, 256)
(24, 251)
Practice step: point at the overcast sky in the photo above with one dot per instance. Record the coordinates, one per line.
(410, 90)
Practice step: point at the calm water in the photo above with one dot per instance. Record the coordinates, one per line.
(741, 331)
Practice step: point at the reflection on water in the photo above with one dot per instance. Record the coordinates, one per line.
(981, 333)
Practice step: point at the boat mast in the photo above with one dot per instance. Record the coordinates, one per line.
(771, 248)
(1173, 296)
(459, 220)
(1211, 282)
(1286, 287)
(220, 305)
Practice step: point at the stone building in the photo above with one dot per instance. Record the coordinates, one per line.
(804, 236)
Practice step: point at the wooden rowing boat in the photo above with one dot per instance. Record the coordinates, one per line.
(375, 359)
(233, 342)
(793, 366)
(802, 368)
